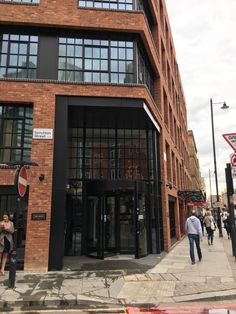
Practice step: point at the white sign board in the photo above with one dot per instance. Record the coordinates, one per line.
(43, 134)
(233, 169)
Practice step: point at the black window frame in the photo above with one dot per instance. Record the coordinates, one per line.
(23, 116)
(18, 46)
(100, 44)
(126, 5)
(125, 150)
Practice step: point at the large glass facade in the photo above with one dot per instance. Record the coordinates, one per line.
(125, 154)
(90, 60)
(15, 133)
(18, 55)
(102, 61)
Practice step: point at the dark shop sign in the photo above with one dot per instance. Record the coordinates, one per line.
(38, 216)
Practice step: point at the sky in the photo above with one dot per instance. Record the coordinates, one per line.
(204, 34)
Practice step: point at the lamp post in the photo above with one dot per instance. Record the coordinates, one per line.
(224, 106)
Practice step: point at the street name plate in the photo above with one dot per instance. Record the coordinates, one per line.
(42, 134)
(38, 216)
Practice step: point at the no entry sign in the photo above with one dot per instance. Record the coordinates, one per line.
(233, 160)
(22, 182)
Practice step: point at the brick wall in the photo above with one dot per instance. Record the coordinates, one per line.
(66, 14)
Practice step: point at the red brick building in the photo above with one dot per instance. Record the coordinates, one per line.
(90, 91)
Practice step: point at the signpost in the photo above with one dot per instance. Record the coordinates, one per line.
(21, 187)
(231, 140)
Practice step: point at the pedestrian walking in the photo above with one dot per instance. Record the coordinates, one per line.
(194, 231)
(201, 218)
(6, 240)
(227, 226)
(210, 224)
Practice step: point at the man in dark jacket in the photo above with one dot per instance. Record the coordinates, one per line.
(194, 231)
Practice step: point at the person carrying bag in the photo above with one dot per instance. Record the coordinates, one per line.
(210, 227)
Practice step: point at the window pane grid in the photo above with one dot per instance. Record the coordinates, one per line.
(107, 4)
(15, 134)
(18, 55)
(112, 154)
(89, 60)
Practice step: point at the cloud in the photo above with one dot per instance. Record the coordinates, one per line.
(204, 33)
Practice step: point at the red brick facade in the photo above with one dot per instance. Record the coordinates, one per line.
(42, 94)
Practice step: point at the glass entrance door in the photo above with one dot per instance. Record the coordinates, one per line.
(101, 240)
(94, 227)
(109, 212)
(116, 223)
(141, 226)
(126, 223)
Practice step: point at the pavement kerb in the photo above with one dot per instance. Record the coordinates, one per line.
(207, 296)
(56, 302)
(52, 302)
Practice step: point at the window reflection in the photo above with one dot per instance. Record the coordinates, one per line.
(111, 154)
(15, 133)
(95, 60)
(18, 56)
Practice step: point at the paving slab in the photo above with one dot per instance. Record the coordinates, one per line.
(152, 280)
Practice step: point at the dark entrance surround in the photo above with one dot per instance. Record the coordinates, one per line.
(97, 203)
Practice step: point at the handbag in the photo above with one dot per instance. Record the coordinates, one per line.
(213, 227)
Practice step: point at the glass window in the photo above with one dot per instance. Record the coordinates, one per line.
(15, 133)
(108, 4)
(18, 55)
(94, 60)
(112, 153)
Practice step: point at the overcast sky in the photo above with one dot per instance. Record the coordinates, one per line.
(204, 33)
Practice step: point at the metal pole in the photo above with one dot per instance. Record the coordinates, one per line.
(215, 169)
(210, 188)
(230, 192)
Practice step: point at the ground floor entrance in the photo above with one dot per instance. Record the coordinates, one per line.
(116, 219)
(106, 197)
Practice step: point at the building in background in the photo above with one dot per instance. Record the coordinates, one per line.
(91, 92)
(194, 167)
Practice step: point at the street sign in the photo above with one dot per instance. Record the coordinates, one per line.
(233, 169)
(233, 160)
(22, 182)
(197, 204)
(230, 139)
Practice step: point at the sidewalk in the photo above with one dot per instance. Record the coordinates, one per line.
(150, 280)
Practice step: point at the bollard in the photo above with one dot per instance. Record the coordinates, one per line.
(12, 270)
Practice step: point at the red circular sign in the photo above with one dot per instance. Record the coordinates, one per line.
(22, 182)
(233, 160)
